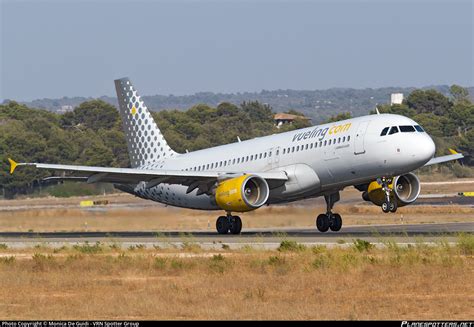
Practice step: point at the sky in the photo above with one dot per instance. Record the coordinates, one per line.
(51, 49)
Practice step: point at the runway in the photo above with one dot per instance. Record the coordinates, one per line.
(266, 238)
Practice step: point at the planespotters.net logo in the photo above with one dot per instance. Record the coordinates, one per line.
(437, 324)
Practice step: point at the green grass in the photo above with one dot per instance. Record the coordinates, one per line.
(160, 263)
(362, 245)
(291, 246)
(7, 260)
(466, 243)
(86, 248)
(219, 264)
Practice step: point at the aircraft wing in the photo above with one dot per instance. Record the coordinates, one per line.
(152, 177)
(453, 156)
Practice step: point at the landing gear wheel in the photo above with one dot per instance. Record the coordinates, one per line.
(322, 223)
(336, 222)
(222, 225)
(386, 207)
(235, 225)
(393, 206)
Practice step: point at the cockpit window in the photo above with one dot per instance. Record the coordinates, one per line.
(384, 131)
(393, 130)
(407, 129)
(419, 128)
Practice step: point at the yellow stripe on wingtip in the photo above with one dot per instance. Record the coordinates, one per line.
(13, 165)
(452, 151)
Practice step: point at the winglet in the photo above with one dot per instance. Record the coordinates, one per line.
(453, 151)
(13, 165)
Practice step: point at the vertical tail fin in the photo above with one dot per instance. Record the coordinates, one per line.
(145, 142)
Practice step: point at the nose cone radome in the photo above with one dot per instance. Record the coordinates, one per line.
(425, 150)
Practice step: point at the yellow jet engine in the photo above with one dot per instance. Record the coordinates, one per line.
(243, 193)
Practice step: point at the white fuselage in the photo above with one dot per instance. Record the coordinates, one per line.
(318, 160)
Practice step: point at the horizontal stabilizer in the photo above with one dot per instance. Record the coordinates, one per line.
(442, 159)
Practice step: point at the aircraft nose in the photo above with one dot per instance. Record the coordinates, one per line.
(426, 149)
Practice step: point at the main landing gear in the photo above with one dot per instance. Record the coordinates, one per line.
(329, 220)
(229, 223)
(389, 204)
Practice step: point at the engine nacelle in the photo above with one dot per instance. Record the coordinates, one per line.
(406, 189)
(243, 193)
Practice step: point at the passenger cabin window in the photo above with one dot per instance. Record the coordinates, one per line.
(393, 130)
(407, 129)
(419, 128)
(384, 131)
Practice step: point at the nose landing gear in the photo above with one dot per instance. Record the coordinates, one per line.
(329, 220)
(229, 223)
(389, 204)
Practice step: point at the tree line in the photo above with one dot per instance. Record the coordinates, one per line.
(92, 135)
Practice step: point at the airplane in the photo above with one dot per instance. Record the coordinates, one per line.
(376, 154)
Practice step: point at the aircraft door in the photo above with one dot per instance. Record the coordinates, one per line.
(359, 138)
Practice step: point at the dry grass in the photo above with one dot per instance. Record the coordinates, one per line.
(361, 282)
